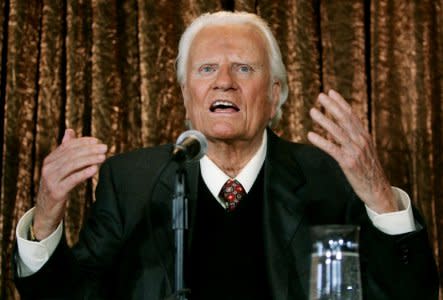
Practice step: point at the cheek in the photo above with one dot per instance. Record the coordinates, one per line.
(192, 108)
(188, 108)
(195, 90)
(259, 100)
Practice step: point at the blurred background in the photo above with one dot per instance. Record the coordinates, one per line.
(106, 68)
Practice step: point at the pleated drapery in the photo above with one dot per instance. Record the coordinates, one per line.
(107, 68)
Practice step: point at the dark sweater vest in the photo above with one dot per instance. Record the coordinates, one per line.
(227, 255)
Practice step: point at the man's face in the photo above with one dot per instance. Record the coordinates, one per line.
(227, 92)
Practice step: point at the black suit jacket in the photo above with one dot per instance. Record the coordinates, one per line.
(125, 250)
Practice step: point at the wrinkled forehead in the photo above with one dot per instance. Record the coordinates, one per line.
(226, 31)
(244, 37)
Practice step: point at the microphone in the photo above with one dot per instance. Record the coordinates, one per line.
(190, 145)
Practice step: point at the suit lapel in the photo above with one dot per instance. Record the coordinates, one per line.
(283, 215)
(193, 171)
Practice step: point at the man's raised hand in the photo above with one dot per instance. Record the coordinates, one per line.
(352, 147)
(71, 163)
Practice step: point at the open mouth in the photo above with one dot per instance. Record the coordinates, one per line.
(223, 106)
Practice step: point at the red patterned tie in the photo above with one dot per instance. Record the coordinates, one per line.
(232, 192)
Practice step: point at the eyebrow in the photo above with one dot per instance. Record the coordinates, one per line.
(252, 64)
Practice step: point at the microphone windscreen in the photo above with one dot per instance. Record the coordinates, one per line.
(192, 144)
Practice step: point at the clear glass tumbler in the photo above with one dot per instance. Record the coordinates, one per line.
(335, 266)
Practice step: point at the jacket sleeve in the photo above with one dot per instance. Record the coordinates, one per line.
(79, 272)
(397, 266)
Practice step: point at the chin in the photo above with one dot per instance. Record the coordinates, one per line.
(224, 129)
(220, 130)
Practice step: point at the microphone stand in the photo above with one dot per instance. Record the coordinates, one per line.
(190, 145)
(179, 225)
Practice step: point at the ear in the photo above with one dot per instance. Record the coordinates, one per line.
(275, 97)
(185, 96)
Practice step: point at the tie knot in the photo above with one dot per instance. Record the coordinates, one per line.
(232, 192)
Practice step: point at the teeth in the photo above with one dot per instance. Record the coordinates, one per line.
(224, 103)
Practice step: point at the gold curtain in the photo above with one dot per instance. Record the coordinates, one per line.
(106, 68)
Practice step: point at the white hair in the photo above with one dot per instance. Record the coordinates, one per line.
(278, 70)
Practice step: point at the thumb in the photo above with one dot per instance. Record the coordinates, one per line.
(69, 135)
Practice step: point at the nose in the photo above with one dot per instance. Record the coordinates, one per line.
(224, 80)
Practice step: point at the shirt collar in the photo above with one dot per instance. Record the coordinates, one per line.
(215, 178)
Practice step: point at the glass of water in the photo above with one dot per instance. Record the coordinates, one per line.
(335, 265)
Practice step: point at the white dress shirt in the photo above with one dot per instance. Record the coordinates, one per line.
(33, 255)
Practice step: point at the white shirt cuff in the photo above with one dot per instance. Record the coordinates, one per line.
(398, 222)
(33, 255)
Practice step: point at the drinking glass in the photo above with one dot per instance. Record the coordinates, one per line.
(335, 266)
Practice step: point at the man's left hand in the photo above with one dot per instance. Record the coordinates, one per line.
(352, 147)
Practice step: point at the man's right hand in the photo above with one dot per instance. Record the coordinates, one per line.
(74, 161)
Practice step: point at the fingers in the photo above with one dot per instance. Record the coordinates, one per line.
(352, 147)
(75, 156)
(344, 126)
(350, 138)
(337, 132)
(327, 146)
(71, 163)
(74, 161)
(72, 145)
(58, 190)
(69, 135)
(340, 100)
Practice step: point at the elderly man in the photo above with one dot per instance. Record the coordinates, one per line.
(233, 83)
